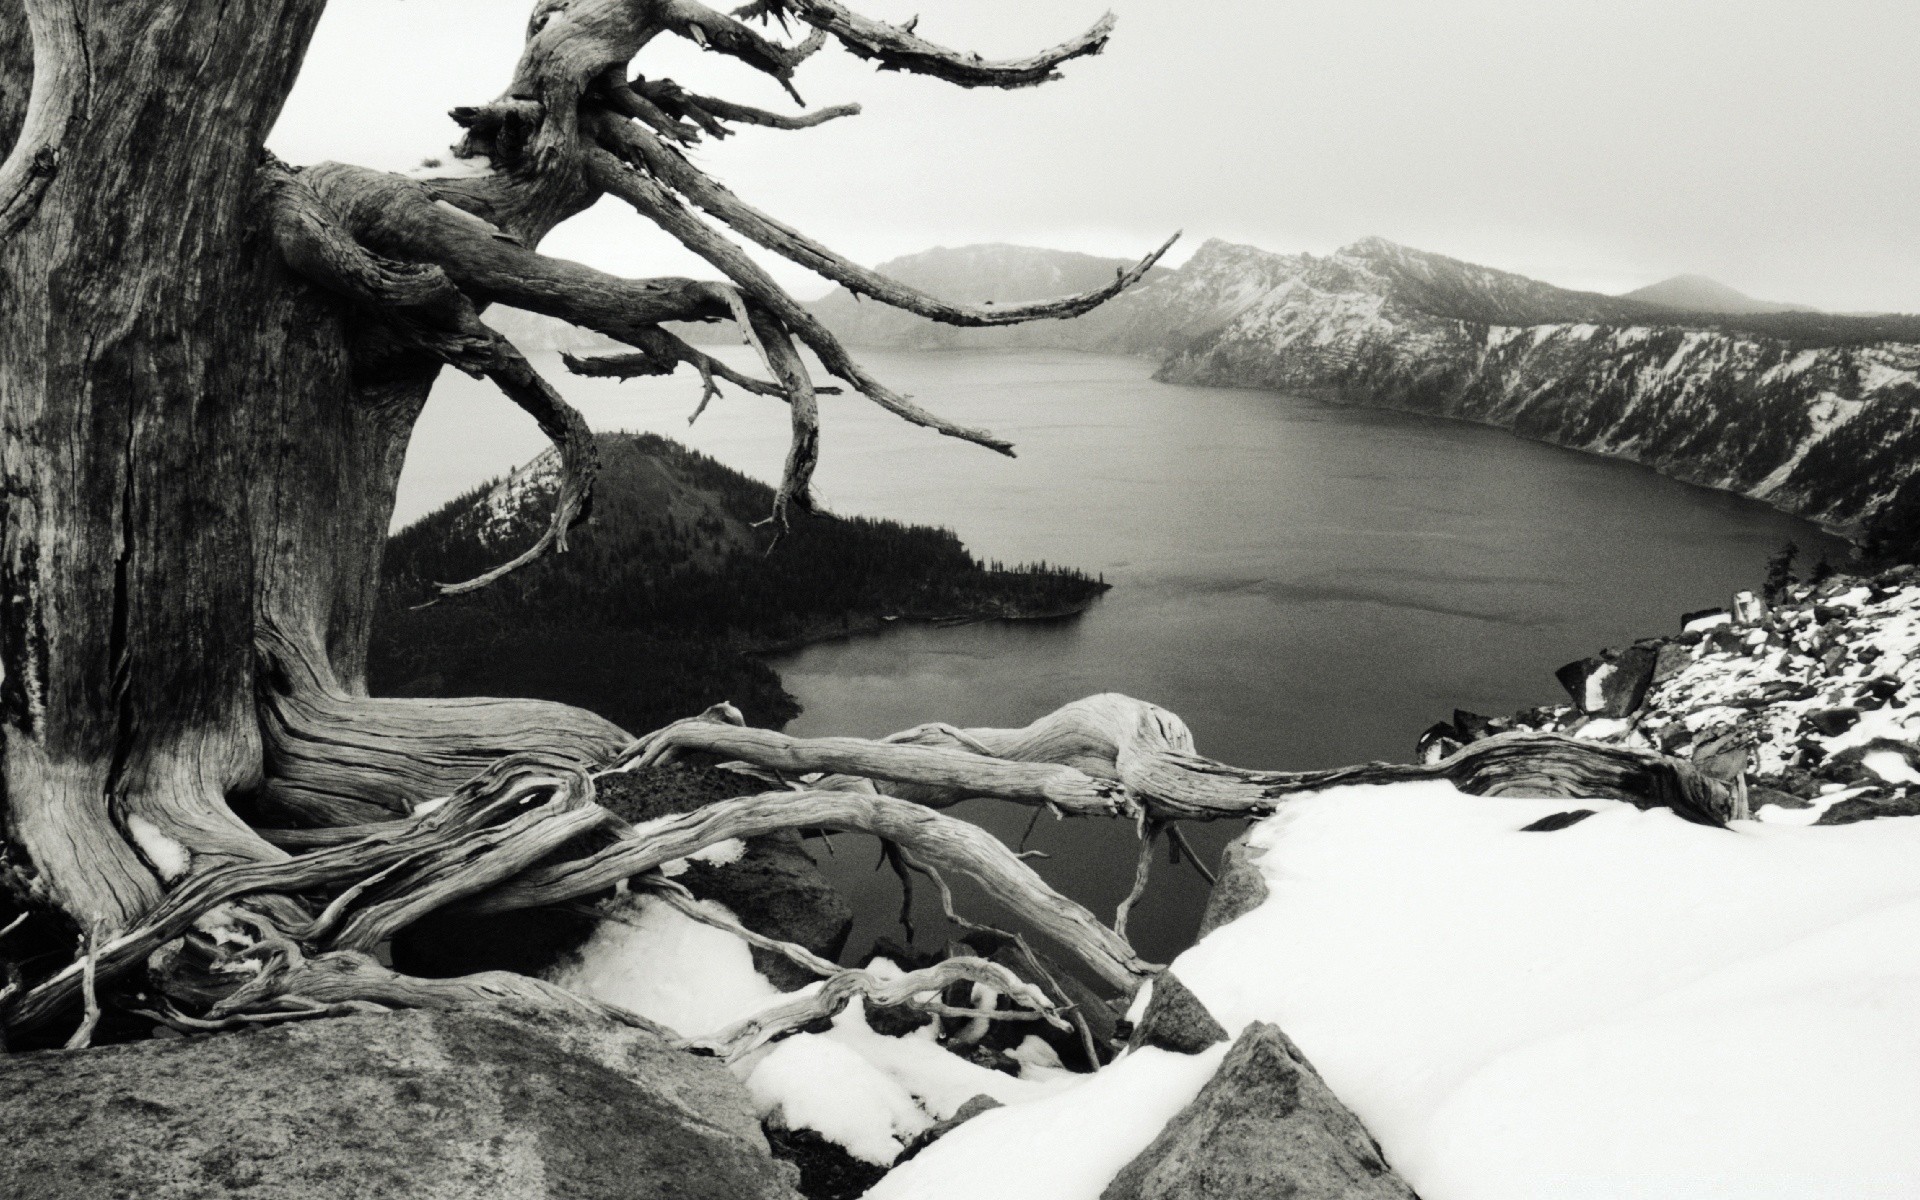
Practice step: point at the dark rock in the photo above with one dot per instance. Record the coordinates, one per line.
(1265, 1125)
(530, 941)
(774, 888)
(1725, 756)
(966, 1112)
(1610, 685)
(827, 1170)
(1759, 797)
(1440, 740)
(1669, 660)
(1880, 802)
(481, 1101)
(1238, 887)
(1175, 1019)
(1079, 998)
(1832, 722)
(1559, 820)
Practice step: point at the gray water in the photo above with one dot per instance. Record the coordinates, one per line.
(1307, 585)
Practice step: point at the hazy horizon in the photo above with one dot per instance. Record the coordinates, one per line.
(1767, 146)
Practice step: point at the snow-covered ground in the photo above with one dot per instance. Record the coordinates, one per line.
(1630, 1007)
(1633, 1006)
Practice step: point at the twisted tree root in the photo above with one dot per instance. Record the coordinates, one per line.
(1130, 752)
(916, 989)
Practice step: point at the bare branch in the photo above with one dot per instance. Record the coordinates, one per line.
(653, 202)
(671, 100)
(1142, 866)
(898, 48)
(949, 843)
(960, 773)
(834, 995)
(723, 34)
(803, 450)
(568, 431)
(665, 163)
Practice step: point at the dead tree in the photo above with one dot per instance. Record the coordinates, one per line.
(210, 362)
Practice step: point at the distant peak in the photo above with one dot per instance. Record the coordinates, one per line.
(1697, 293)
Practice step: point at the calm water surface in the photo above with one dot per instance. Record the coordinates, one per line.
(1307, 585)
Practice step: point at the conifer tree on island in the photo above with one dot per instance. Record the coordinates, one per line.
(210, 362)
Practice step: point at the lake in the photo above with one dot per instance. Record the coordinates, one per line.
(1306, 584)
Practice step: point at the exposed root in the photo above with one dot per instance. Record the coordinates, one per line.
(916, 989)
(948, 775)
(1141, 869)
(339, 759)
(1148, 752)
(89, 994)
(931, 836)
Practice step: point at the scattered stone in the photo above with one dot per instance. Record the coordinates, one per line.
(415, 1105)
(1879, 802)
(1610, 685)
(1264, 1126)
(1440, 741)
(1833, 722)
(1175, 1019)
(1670, 660)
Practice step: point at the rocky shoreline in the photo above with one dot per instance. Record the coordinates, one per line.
(1812, 699)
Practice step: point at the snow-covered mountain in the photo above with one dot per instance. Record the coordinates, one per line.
(1812, 412)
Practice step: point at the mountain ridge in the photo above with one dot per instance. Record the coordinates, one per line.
(1814, 413)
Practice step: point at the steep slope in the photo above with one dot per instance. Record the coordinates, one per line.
(657, 607)
(1810, 412)
(1697, 293)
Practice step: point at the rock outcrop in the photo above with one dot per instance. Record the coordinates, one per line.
(1813, 699)
(1264, 1125)
(417, 1105)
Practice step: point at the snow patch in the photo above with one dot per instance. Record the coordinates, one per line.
(1633, 1006)
(162, 853)
(670, 968)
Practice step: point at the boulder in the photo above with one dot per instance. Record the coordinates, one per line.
(1238, 886)
(1265, 1125)
(1669, 660)
(414, 1105)
(1832, 722)
(1175, 1019)
(1612, 684)
(1873, 804)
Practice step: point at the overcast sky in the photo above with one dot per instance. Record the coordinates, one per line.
(1772, 145)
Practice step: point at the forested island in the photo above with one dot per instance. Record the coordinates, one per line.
(663, 604)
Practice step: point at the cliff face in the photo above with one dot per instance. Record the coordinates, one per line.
(1811, 413)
